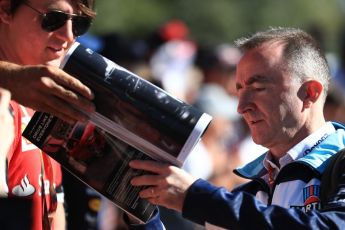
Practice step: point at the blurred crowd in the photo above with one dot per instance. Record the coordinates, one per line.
(201, 75)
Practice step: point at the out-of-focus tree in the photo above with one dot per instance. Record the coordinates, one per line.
(219, 20)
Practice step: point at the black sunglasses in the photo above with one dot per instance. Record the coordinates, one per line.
(55, 19)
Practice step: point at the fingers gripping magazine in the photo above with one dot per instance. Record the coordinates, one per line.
(134, 119)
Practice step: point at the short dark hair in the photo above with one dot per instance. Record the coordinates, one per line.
(86, 7)
(302, 53)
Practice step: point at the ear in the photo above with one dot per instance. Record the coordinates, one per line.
(5, 12)
(313, 90)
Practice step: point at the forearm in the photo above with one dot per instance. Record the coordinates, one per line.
(60, 218)
(6, 137)
(6, 70)
(48, 89)
(206, 203)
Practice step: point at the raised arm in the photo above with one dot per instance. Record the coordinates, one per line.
(48, 89)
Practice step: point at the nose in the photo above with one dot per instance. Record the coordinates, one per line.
(66, 32)
(245, 103)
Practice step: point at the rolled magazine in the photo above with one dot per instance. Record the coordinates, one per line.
(134, 119)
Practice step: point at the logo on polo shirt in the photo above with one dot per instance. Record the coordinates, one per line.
(24, 189)
(311, 199)
(306, 152)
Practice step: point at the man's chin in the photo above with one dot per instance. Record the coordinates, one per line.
(259, 139)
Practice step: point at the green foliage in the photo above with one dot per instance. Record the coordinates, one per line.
(214, 21)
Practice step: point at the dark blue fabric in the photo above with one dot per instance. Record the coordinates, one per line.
(153, 223)
(241, 210)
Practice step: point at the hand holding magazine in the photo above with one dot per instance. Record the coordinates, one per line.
(133, 120)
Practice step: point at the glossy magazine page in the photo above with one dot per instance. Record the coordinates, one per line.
(133, 120)
(136, 111)
(94, 156)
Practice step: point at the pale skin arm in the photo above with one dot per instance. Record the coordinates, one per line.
(59, 221)
(48, 89)
(6, 137)
(168, 185)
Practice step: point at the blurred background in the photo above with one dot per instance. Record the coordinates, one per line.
(186, 47)
(220, 20)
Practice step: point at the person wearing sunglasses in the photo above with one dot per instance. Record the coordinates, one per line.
(35, 35)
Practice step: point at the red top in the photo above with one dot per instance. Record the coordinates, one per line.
(25, 162)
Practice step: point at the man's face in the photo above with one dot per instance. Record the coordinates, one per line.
(268, 97)
(27, 43)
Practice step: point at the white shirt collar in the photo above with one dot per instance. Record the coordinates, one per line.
(302, 148)
(309, 143)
